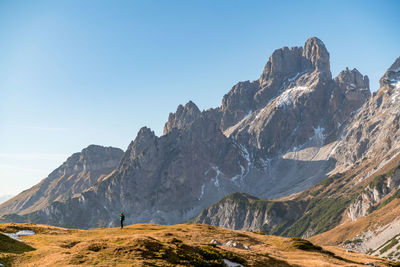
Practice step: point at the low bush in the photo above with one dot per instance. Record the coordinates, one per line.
(303, 244)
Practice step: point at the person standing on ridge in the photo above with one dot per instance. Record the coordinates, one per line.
(122, 218)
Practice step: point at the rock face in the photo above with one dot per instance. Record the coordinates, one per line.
(78, 173)
(241, 211)
(278, 135)
(238, 103)
(351, 91)
(182, 118)
(374, 130)
(363, 142)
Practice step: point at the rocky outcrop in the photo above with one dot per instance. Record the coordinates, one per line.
(182, 118)
(238, 103)
(316, 52)
(351, 91)
(392, 75)
(242, 211)
(374, 130)
(371, 197)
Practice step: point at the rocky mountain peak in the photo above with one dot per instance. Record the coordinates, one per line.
(143, 138)
(191, 106)
(392, 75)
(350, 92)
(286, 62)
(91, 158)
(96, 153)
(182, 118)
(238, 103)
(395, 66)
(79, 172)
(316, 52)
(282, 63)
(287, 65)
(145, 132)
(352, 80)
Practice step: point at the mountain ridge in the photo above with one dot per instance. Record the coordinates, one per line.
(78, 173)
(364, 187)
(283, 141)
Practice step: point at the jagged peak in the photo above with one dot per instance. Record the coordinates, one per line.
(189, 107)
(183, 117)
(242, 91)
(395, 67)
(286, 62)
(282, 62)
(145, 132)
(352, 79)
(315, 51)
(192, 106)
(143, 138)
(392, 75)
(97, 148)
(93, 152)
(314, 41)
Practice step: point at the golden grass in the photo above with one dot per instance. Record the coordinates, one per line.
(157, 245)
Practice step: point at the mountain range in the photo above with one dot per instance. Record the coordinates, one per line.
(296, 153)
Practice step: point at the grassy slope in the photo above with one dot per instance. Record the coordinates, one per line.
(349, 230)
(7, 244)
(177, 245)
(10, 247)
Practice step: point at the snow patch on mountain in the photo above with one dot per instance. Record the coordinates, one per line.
(202, 192)
(396, 92)
(231, 129)
(218, 173)
(287, 97)
(319, 135)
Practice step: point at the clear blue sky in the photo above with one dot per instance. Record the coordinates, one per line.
(74, 73)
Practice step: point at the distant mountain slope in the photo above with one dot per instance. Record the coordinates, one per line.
(78, 173)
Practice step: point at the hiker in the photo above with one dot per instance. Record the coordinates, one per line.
(122, 218)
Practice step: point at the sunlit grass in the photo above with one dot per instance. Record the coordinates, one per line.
(155, 245)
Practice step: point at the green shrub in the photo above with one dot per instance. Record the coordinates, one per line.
(303, 244)
(378, 182)
(260, 233)
(392, 242)
(175, 240)
(321, 214)
(327, 181)
(370, 251)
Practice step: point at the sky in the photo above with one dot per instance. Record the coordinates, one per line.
(75, 73)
